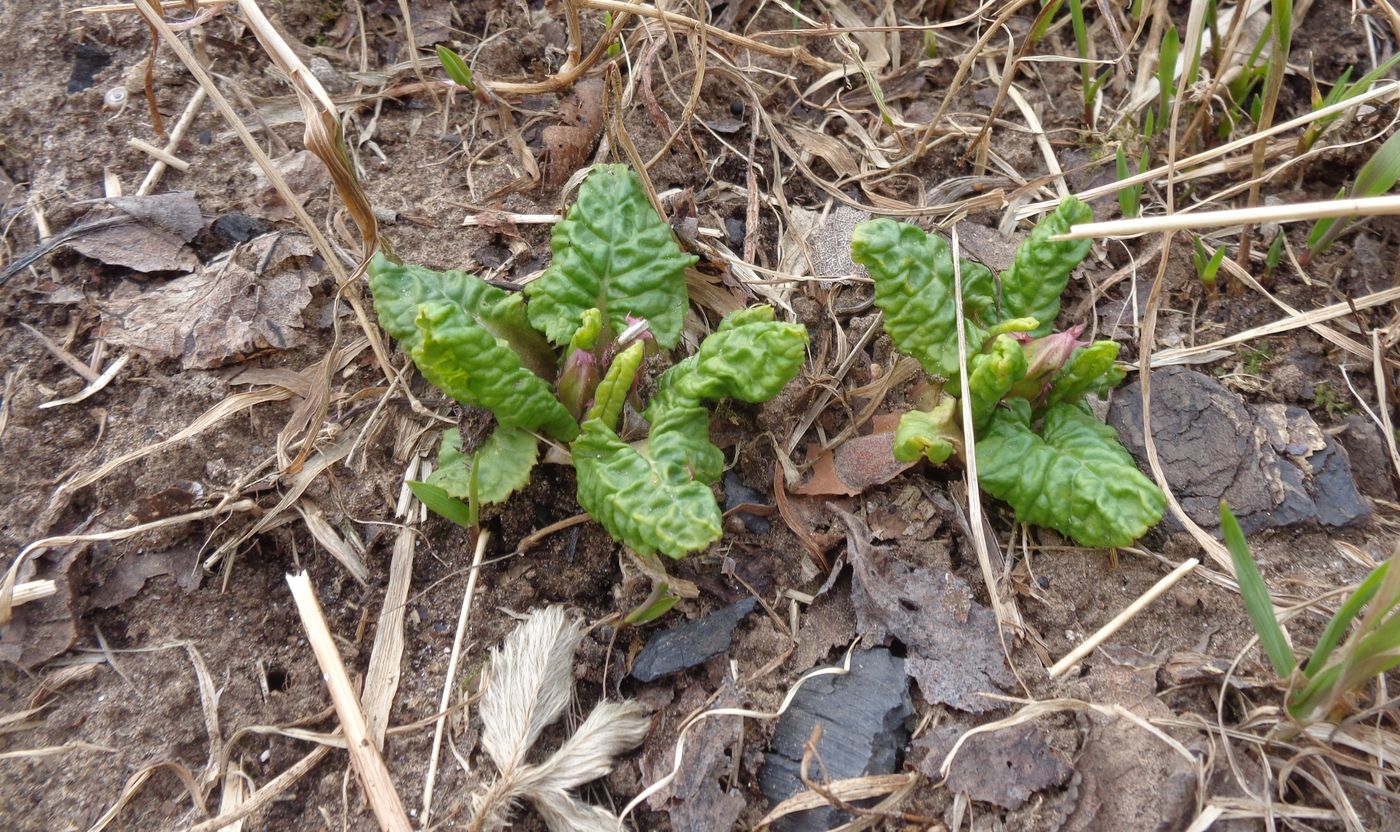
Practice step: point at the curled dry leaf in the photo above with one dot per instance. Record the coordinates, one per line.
(567, 144)
(233, 306)
(857, 464)
(305, 174)
(154, 241)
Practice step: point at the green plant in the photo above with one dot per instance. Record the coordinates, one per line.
(1166, 76)
(456, 68)
(1130, 197)
(1256, 357)
(1089, 83)
(1207, 263)
(1344, 90)
(1329, 401)
(1037, 447)
(614, 291)
(1377, 176)
(1340, 664)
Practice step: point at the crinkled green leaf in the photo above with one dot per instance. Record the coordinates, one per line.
(1040, 272)
(468, 363)
(502, 465)
(612, 391)
(640, 501)
(748, 315)
(612, 252)
(439, 502)
(1011, 325)
(400, 288)
(933, 434)
(979, 291)
(679, 441)
(913, 274)
(1076, 478)
(590, 326)
(750, 359)
(991, 375)
(1090, 369)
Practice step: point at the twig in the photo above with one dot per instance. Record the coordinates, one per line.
(93, 388)
(1103, 633)
(364, 757)
(448, 683)
(158, 154)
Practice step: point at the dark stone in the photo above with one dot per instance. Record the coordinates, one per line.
(1271, 462)
(227, 231)
(87, 62)
(690, 644)
(737, 494)
(1369, 457)
(865, 716)
(734, 230)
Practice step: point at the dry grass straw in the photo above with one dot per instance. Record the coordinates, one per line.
(449, 682)
(1376, 206)
(364, 754)
(386, 655)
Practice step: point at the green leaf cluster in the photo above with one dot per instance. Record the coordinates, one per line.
(616, 272)
(1037, 446)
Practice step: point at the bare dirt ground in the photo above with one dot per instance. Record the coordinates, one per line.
(170, 674)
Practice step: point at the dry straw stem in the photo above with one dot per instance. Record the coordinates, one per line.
(1106, 631)
(364, 757)
(1375, 206)
(177, 135)
(33, 591)
(449, 683)
(1177, 167)
(385, 657)
(7, 585)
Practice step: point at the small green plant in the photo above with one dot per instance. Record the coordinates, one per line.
(456, 68)
(1344, 90)
(614, 292)
(1377, 176)
(1037, 446)
(1090, 84)
(1329, 401)
(1166, 76)
(1256, 357)
(1340, 663)
(1207, 263)
(1130, 197)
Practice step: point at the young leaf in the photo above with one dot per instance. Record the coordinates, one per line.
(679, 443)
(750, 360)
(501, 465)
(1039, 274)
(1255, 594)
(991, 375)
(933, 434)
(612, 252)
(1077, 479)
(913, 274)
(637, 500)
(1090, 369)
(456, 68)
(612, 391)
(468, 363)
(400, 288)
(436, 498)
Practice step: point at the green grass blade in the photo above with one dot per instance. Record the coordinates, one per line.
(1256, 596)
(456, 68)
(1377, 176)
(1337, 627)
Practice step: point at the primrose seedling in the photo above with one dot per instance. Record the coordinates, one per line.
(1037, 446)
(565, 364)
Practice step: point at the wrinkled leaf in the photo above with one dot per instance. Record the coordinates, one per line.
(991, 375)
(612, 252)
(502, 465)
(1077, 479)
(400, 288)
(749, 359)
(913, 274)
(468, 363)
(680, 444)
(637, 501)
(612, 391)
(1089, 370)
(1038, 276)
(934, 434)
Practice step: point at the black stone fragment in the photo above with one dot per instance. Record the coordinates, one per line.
(87, 62)
(865, 716)
(690, 644)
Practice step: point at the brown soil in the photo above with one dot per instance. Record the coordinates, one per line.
(138, 702)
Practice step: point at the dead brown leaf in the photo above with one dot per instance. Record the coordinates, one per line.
(857, 464)
(1002, 767)
(695, 800)
(305, 175)
(954, 646)
(130, 573)
(568, 143)
(155, 242)
(231, 307)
